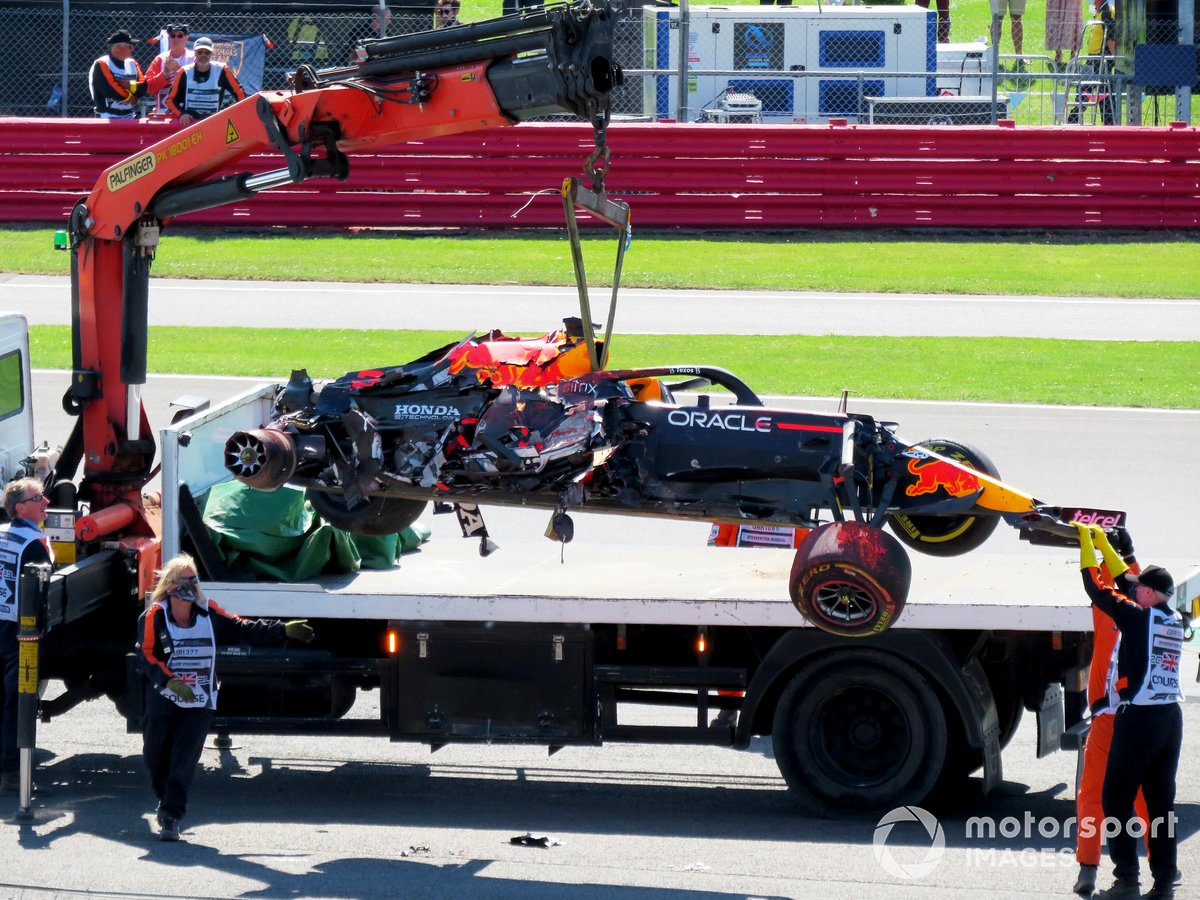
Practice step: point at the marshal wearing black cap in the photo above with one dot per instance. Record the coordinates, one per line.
(116, 79)
(1148, 731)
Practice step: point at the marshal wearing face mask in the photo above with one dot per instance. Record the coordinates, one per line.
(178, 636)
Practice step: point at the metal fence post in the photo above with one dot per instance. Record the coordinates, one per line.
(1187, 33)
(66, 59)
(682, 72)
(996, 19)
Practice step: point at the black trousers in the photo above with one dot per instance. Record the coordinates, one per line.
(172, 740)
(1145, 752)
(1108, 101)
(10, 759)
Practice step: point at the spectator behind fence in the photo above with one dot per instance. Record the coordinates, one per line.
(1064, 24)
(116, 80)
(1016, 9)
(200, 89)
(445, 13)
(376, 28)
(165, 69)
(943, 17)
(1099, 45)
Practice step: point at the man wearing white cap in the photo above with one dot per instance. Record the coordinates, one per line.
(199, 90)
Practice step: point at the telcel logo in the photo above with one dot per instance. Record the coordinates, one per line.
(1095, 517)
(694, 418)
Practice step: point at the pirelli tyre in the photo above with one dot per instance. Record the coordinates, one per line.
(944, 535)
(859, 731)
(375, 517)
(850, 579)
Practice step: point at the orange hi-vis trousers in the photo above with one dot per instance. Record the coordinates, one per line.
(1088, 811)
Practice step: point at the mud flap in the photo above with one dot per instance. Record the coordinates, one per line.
(976, 681)
(1051, 720)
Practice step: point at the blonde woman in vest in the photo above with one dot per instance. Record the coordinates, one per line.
(176, 651)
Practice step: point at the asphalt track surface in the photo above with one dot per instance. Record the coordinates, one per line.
(266, 304)
(357, 817)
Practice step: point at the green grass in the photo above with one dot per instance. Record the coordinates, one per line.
(1010, 370)
(1042, 263)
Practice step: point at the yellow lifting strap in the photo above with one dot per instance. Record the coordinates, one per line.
(577, 197)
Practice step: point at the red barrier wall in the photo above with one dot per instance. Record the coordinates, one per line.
(677, 176)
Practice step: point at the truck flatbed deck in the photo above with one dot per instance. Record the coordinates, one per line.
(1034, 589)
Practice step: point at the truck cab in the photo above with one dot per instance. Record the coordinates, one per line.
(16, 410)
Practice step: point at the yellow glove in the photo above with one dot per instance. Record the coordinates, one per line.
(1087, 552)
(181, 689)
(1112, 559)
(298, 630)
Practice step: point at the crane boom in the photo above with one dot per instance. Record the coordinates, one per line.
(465, 78)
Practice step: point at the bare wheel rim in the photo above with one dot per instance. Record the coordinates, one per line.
(247, 456)
(840, 601)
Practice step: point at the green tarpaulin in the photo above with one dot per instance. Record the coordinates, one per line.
(277, 535)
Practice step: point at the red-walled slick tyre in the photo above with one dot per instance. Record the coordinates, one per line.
(850, 579)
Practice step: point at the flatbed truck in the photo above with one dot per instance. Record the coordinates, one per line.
(463, 648)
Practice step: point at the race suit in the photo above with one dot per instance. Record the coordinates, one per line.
(1148, 731)
(199, 94)
(110, 99)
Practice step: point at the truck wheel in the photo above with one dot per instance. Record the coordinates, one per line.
(948, 535)
(376, 516)
(850, 579)
(860, 731)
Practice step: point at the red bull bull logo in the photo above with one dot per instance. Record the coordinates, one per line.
(933, 474)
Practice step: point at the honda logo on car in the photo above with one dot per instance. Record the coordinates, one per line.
(425, 411)
(695, 418)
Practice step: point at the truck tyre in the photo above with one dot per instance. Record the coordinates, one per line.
(850, 579)
(859, 732)
(948, 535)
(376, 516)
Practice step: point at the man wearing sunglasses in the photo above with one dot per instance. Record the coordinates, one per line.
(21, 542)
(200, 89)
(166, 66)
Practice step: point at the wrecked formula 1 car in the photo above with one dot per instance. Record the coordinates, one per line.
(529, 422)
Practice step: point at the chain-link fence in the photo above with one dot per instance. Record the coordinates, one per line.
(883, 65)
(741, 64)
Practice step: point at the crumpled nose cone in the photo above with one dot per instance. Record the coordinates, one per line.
(263, 458)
